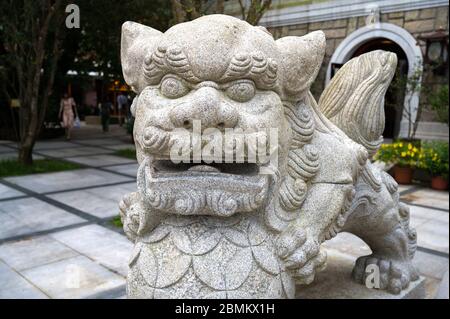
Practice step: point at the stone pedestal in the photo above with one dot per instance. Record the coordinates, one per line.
(335, 282)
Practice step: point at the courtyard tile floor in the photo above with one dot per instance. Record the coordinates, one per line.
(57, 239)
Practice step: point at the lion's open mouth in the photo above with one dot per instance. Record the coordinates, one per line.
(219, 189)
(163, 167)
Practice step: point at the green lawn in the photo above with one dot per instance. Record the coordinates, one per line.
(128, 153)
(10, 167)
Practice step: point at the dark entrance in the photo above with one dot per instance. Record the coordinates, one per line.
(395, 95)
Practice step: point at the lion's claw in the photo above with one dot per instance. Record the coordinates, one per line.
(301, 255)
(129, 216)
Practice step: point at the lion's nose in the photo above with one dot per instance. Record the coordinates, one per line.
(206, 106)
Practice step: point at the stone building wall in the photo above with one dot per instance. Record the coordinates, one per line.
(416, 22)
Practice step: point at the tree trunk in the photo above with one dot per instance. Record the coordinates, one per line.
(26, 154)
(255, 11)
(50, 80)
(30, 99)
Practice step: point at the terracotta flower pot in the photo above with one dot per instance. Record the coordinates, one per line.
(439, 183)
(403, 175)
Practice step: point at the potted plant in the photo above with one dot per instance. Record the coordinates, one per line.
(434, 158)
(403, 155)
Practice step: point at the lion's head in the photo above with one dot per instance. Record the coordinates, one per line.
(220, 74)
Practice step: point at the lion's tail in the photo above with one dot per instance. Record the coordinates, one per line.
(354, 99)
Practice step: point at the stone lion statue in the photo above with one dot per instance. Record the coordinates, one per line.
(206, 229)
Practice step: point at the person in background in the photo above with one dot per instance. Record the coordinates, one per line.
(122, 105)
(67, 113)
(130, 102)
(105, 112)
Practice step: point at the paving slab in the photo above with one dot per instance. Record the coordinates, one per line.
(403, 188)
(114, 193)
(428, 197)
(8, 192)
(33, 252)
(101, 202)
(100, 160)
(105, 246)
(88, 203)
(75, 151)
(348, 244)
(76, 277)
(14, 286)
(443, 290)
(432, 228)
(433, 235)
(67, 180)
(10, 226)
(13, 155)
(5, 149)
(431, 287)
(428, 214)
(27, 215)
(101, 141)
(431, 265)
(122, 146)
(128, 169)
(45, 145)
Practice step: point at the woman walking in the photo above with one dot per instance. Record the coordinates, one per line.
(105, 112)
(68, 111)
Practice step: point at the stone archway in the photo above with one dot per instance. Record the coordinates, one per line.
(394, 33)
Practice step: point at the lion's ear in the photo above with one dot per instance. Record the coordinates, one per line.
(137, 42)
(301, 58)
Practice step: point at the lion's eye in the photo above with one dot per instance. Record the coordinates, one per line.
(241, 91)
(173, 88)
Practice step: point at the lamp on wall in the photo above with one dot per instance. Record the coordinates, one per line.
(437, 50)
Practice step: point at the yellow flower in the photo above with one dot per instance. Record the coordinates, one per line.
(410, 146)
(403, 154)
(400, 144)
(415, 150)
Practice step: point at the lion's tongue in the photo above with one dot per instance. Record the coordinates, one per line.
(204, 168)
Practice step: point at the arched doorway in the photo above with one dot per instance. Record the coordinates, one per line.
(395, 94)
(384, 36)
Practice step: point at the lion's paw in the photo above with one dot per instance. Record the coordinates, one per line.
(129, 215)
(301, 255)
(394, 276)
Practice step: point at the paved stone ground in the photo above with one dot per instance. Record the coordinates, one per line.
(57, 239)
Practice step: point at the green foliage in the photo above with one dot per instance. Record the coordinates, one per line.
(439, 102)
(11, 167)
(410, 85)
(434, 158)
(128, 153)
(400, 153)
(116, 221)
(98, 46)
